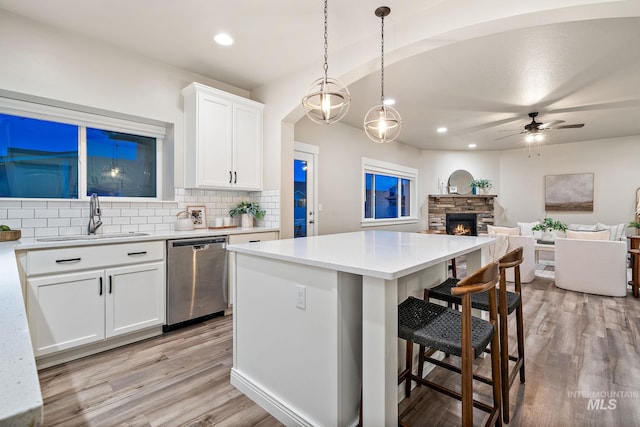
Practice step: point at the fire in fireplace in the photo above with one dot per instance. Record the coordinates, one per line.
(461, 224)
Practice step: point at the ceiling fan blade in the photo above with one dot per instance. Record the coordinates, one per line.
(576, 126)
(508, 136)
(550, 124)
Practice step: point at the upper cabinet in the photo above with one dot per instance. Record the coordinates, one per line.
(223, 139)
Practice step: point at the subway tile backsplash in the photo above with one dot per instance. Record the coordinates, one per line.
(61, 218)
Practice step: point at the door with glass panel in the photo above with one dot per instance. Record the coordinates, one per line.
(304, 213)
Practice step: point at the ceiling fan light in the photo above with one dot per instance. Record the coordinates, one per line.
(539, 137)
(529, 138)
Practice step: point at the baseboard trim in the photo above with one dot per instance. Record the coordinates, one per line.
(276, 407)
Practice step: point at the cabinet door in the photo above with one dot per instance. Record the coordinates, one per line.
(135, 298)
(247, 154)
(214, 142)
(65, 310)
(244, 238)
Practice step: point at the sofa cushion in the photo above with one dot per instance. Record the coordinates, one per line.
(583, 227)
(589, 235)
(618, 232)
(492, 229)
(526, 228)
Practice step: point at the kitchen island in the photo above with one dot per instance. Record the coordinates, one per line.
(316, 317)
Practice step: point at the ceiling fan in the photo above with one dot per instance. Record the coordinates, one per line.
(534, 129)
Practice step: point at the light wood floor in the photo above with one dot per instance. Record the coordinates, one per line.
(575, 343)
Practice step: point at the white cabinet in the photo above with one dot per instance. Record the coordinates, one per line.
(119, 289)
(223, 139)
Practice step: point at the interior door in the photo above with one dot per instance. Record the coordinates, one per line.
(304, 189)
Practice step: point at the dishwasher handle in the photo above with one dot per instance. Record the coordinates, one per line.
(199, 243)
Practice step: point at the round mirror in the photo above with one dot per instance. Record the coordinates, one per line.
(460, 180)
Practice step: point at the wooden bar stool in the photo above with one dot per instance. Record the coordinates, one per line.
(635, 271)
(508, 303)
(458, 333)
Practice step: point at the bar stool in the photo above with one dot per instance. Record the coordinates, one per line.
(458, 333)
(451, 267)
(508, 303)
(635, 271)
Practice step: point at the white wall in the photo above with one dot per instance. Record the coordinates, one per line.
(614, 163)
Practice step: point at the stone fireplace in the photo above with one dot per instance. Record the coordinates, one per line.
(444, 205)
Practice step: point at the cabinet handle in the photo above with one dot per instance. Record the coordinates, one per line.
(230, 177)
(66, 261)
(110, 284)
(137, 253)
(253, 241)
(100, 287)
(235, 175)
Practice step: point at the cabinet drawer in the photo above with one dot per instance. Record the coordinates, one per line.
(253, 237)
(48, 261)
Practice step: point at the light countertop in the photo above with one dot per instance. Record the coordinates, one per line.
(20, 396)
(383, 254)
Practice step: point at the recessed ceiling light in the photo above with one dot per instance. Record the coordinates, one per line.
(389, 102)
(442, 129)
(223, 39)
(472, 145)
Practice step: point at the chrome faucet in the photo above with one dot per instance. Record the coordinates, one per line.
(94, 211)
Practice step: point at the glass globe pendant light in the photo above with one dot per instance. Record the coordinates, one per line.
(382, 123)
(327, 100)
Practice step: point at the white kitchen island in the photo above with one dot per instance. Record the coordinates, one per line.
(316, 317)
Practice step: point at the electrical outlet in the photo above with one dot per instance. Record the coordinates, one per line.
(301, 296)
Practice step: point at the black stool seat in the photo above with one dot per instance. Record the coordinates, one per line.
(436, 326)
(479, 301)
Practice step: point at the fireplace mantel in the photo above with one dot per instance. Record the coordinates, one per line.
(442, 204)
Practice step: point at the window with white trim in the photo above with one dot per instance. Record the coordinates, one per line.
(389, 193)
(57, 153)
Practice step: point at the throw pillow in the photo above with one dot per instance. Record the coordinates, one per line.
(492, 229)
(617, 231)
(589, 235)
(582, 227)
(526, 228)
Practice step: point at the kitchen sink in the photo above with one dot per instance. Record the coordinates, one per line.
(89, 237)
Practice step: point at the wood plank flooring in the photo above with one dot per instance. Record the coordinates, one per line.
(577, 346)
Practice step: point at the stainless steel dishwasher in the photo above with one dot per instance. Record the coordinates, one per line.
(196, 279)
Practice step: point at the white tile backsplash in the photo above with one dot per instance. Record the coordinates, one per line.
(59, 218)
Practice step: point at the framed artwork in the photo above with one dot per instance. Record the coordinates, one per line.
(570, 192)
(198, 215)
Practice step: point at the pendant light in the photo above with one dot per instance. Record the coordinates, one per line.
(327, 100)
(382, 123)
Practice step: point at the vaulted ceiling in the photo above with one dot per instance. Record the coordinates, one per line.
(578, 69)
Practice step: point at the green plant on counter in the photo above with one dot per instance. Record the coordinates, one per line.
(634, 224)
(481, 183)
(249, 208)
(550, 224)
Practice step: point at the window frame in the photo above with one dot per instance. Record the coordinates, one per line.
(86, 119)
(380, 167)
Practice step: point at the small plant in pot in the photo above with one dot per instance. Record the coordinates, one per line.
(247, 211)
(636, 225)
(481, 186)
(550, 228)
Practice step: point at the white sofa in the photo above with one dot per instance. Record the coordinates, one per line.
(592, 266)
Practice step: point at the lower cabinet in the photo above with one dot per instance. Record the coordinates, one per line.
(85, 299)
(69, 310)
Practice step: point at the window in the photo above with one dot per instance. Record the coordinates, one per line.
(55, 153)
(390, 193)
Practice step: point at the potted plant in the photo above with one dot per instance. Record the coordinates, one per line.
(550, 228)
(636, 225)
(247, 211)
(481, 186)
